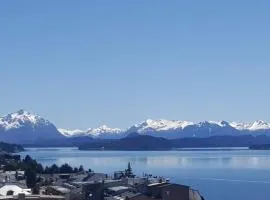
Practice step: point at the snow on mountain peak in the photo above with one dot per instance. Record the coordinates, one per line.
(71, 133)
(103, 129)
(218, 123)
(19, 119)
(239, 125)
(259, 125)
(161, 125)
(94, 132)
(165, 128)
(254, 126)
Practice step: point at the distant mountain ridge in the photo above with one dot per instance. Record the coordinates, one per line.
(23, 127)
(100, 132)
(136, 142)
(172, 129)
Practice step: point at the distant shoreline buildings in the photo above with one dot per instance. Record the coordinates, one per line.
(87, 185)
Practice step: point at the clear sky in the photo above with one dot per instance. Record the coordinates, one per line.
(81, 64)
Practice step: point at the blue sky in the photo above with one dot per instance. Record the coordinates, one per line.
(86, 63)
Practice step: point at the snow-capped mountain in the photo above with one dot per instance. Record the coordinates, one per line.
(105, 132)
(102, 132)
(160, 128)
(72, 133)
(178, 129)
(172, 129)
(24, 128)
(160, 125)
(258, 125)
(20, 119)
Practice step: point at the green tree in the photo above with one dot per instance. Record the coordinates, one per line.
(65, 168)
(75, 170)
(128, 171)
(47, 170)
(31, 178)
(39, 168)
(27, 159)
(36, 189)
(54, 169)
(16, 175)
(81, 169)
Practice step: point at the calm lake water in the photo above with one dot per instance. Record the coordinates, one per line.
(218, 174)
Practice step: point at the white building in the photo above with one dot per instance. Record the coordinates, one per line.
(7, 190)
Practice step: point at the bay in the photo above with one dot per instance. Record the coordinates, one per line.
(219, 174)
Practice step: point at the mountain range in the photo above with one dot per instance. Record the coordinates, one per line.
(173, 129)
(23, 127)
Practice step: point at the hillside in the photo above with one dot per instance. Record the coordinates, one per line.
(138, 142)
(221, 141)
(10, 148)
(22, 127)
(260, 147)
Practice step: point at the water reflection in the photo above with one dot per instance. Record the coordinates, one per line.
(212, 172)
(155, 160)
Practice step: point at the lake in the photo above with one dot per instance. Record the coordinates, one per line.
(218, 174)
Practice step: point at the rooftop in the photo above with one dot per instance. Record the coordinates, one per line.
(61, 189)
(156, 184)
(123, 196)
(34, 197)
(16, 190)
(112, 181)
(118, 188)
(129, 194)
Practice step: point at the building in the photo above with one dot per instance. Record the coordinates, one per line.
(112, 183)
(168, 191)
(32, 197)
(135, 181)
(93, 191)
(64, 176)
(128, 195)
(58, 191)
(118, 175)
(4, 156)
(13, 190)
(117, 190)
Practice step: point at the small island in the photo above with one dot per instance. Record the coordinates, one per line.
(260, 147)
(130, 143)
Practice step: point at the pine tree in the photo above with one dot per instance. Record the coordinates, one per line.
(31, 178)
(16, 175)
(128, 171)
(81, 169)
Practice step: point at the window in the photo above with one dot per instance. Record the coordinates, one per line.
(10, 193)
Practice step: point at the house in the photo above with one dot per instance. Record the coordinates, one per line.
(32, 197)
(135, 181)
(117, 190)
(64, 176)
(93, 191)
(58, 191)
(129, 196)
(118, 175)
(13, 190)
(112, 183)
(168, 191)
